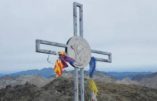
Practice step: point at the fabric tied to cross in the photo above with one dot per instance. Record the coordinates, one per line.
(92, 86)
(60, 63)
(91, 83)
(66, 58)
(93, 97)
(92, 65)
(58, 68)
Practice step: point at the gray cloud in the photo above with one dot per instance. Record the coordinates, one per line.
(127, 28)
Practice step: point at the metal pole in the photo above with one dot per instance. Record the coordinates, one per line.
(80, 6)
(76, 88)
(76, 95)
(81, 20)
(82, 84)
(81, 35)
(75, 18)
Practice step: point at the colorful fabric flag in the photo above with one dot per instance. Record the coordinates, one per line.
(91, 83)
(60, 63)
(92, 65)
(67, 59)
(58, 68)
(64, 57)
(92, 86)
(63, 62)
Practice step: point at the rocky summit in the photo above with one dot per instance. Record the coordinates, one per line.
(61, 89)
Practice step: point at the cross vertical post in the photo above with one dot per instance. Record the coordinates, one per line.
(76, 85)
(80, 6)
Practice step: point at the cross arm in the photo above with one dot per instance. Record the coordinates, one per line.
(39, 42)
(38, 49)
(109, 60)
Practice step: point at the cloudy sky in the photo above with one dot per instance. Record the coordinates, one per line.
(127, 28)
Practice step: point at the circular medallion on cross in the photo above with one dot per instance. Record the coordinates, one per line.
(79, 49)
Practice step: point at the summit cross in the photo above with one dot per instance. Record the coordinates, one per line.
(78, 48)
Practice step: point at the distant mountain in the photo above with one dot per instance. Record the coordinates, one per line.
(149, 80)
(130, 75)
(45, 72)
(1, 75)
(139, 77)
(48, 72)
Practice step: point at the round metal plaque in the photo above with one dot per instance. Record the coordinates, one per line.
(79, 49)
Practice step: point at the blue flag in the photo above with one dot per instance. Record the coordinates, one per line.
(92, 65)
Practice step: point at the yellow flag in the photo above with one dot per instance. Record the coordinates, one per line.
(58, 68)
(92, 86)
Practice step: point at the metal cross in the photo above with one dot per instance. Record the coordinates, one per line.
(76, 74)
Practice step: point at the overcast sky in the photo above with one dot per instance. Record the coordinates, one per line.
(127, 28)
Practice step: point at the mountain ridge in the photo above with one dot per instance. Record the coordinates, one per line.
(45, 72)
(48, 72)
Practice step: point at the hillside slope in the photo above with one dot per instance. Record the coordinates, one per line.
(61, 89)
(148, 80)
(21, 80)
